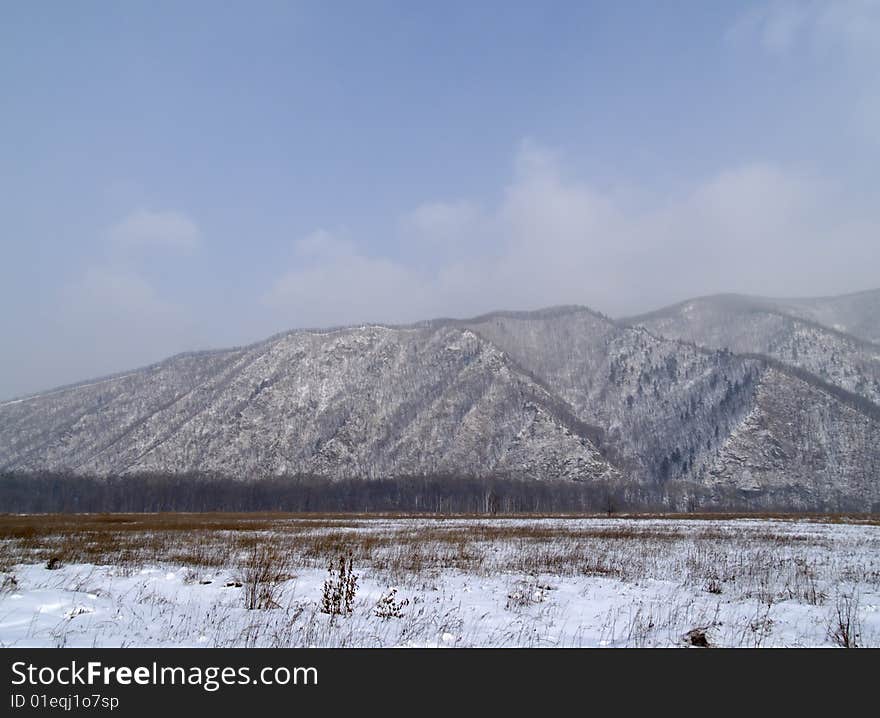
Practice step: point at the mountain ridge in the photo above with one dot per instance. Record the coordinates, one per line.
(561, 393)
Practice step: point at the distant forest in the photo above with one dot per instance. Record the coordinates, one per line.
(152, 492)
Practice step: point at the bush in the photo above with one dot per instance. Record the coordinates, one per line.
(389, 607)
(261, 575)
(526, 592)
(713, 585)
(340, 587)
(9, 583)
(844, 626)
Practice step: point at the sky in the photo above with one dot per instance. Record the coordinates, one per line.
(181, 176)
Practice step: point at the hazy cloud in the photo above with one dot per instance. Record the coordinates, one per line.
(334, 283)
(778, 25)
(840, 37)
(113, 318)
(116, 293)
(851, 27)
(441, 222)
(163, 229)
(111, 315)
(766, 184)
(552, 239)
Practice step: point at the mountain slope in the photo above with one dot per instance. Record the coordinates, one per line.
(664, 406)
(557, 394)
(359, 402)
(748, 325)
(856, 314)
(798, 440)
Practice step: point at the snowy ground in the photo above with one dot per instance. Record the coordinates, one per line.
(459, 582)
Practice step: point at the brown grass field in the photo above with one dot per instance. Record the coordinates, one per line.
(385, 540)
(258, 579)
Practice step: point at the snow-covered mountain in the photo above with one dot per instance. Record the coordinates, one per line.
(788, 330)
(562, 393)
(856, 314)
(369, 401)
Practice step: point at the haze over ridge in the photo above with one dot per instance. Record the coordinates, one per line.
(221, 176)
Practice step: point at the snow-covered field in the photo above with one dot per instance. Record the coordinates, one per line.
(459, 582)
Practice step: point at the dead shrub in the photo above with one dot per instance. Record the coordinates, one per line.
(9, 583)
(340, 587)
(697, 637)
(713, 585)
(262, 573)
(844, 625)
(389, 607)
(526, 592)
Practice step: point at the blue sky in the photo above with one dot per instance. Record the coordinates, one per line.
(177, 176)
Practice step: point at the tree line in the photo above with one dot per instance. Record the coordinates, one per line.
(47, 492)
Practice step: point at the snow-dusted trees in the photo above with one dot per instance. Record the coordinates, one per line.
(43, 493)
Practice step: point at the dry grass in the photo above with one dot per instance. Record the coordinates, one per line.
(747, 568)
(263, 571)
(401, 549)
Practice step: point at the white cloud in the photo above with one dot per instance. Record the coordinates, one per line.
(163, 229)
(117, 292)
(778, 25)
(335, 284)
(851, 27)
(112, 319)
(440, 222)
(756, 228)
(840, 38)
(320, 243)
(110, 316)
